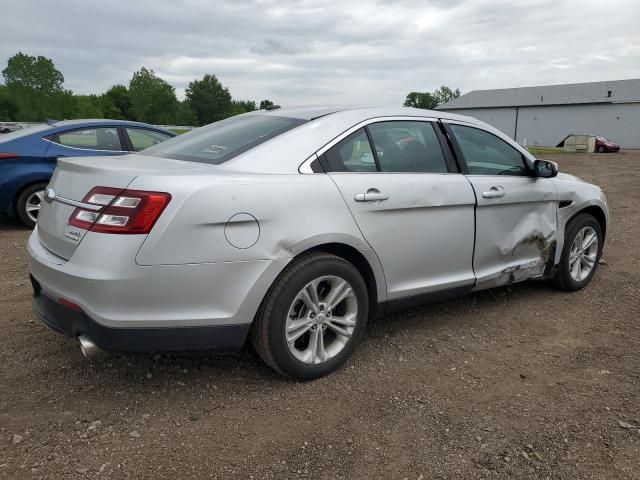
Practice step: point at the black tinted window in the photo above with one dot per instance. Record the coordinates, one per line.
(406, 146)
(221, 141)
(353, 154)
(487, 154)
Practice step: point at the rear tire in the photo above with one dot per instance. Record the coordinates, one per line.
(583, 241)
(28, 204)
(328, 331)
(600, 149)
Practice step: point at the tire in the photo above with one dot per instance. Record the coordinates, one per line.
(566, 277)
(283, 306)
(25, 202)
(600, 149)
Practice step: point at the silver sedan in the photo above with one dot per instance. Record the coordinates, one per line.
(293, 227)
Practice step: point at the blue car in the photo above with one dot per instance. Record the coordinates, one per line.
(28, 157)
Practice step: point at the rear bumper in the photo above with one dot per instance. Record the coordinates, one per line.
(73, 323)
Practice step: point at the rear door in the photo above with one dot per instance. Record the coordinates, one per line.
(412, 207)
(516, 221)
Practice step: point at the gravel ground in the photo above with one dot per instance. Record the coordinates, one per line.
(517, 382)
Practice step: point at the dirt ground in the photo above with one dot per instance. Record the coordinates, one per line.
(517, 382)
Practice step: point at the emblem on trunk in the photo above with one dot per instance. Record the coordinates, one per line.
(49, 195)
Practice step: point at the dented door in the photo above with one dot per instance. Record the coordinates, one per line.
(516, 228)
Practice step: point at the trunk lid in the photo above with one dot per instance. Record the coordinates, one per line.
(75, 177)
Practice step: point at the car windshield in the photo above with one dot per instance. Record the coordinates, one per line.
(602, 139)
(223, 140)
(24, 132)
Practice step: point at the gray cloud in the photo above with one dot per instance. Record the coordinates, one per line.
(313, 51)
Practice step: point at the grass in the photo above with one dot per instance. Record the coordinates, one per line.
(545, 150)
(179, 131)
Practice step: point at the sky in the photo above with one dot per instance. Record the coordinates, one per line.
(329, 52)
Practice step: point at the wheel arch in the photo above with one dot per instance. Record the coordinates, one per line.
(596, 212)
(22, 188)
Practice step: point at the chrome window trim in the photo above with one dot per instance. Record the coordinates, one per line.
(83, 149)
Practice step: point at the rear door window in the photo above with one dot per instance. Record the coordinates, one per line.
(91, 138)
(352, 154)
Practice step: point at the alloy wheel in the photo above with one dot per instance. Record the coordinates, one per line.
(321, 319)
(583, 254)
(33, 204)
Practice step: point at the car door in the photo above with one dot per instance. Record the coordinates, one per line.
(412, 207)
(86, 142)
(141, 138)
(516, 222)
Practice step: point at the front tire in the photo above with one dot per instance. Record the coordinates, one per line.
(583, 241)
(313, 317)
(28, 204)
(600, 149)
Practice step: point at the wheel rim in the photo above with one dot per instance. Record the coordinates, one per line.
(33, 204)
(583, 254)
(321, 319)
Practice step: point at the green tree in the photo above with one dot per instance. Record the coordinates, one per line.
(36, 87)
(88, 106)
(152, 99)
(430, 100)
(118, 96)
(444, 94)
(265, 103)
(185, 115)
(209, 100)
(242, 106)
(421, 100)
(35, 73)
(8, 106)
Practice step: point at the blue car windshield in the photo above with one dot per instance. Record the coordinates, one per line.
(24, 132)
(221, 141)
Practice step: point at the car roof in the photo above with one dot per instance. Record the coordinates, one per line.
(312, 112)
(99, 121)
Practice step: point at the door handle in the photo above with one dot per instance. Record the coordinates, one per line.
(372, 195)
(494, 192)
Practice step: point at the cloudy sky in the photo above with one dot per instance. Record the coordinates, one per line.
(312, 51)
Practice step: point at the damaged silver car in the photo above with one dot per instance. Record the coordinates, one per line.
(293, 227)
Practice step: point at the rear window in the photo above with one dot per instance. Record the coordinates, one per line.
(223, 140)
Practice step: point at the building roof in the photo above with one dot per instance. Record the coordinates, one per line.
(614, 91)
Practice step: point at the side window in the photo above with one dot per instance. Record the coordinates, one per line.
(405, 146)
(91, 138)
(142, 138)
(487, 154)
(353, 154)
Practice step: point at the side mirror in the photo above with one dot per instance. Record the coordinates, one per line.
(545, 168)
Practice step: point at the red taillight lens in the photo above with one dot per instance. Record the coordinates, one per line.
(124, 211)
(8, 156)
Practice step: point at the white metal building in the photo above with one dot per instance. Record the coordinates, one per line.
(546, 115)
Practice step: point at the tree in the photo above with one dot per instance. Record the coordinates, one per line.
(421, 100)
(35, 73)
(209, 100)
(185, 115)
(265, 103)
(118, 96)
(8, 106)
(152, 99)
(444, 94)
(242, 106)
(36, 87)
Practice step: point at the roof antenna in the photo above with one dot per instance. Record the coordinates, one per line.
(51, 121)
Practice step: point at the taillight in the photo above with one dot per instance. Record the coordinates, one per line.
(124, 211)
(8, 156)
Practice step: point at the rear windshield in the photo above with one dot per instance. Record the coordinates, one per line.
(7, 137)
(223, 140)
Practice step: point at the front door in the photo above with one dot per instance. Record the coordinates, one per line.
(516, 222)
(417, 217)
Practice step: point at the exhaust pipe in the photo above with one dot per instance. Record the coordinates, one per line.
(87, 347)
